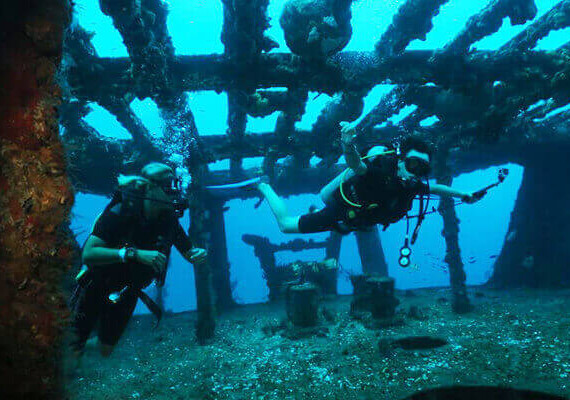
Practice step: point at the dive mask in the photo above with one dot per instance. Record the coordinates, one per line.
(417, 166)
(172, 187)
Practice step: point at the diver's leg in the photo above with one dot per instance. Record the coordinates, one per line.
(85, 306)
(324, 220)
(114, 320)
(287, 223)
(106, 349)
(326, 192)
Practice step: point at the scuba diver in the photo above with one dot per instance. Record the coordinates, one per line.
(128, 248)
(376, 189)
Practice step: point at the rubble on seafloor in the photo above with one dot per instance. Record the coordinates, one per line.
(517, 339)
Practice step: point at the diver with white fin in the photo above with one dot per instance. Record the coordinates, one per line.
(376, 189)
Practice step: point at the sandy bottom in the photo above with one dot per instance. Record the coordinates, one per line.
(517, 338)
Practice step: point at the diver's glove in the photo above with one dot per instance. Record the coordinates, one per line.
(197, 255)
(347, 133)
(473, 197)
(154, 260)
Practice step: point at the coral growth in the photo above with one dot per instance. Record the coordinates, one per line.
(35, 202)
(316, 28)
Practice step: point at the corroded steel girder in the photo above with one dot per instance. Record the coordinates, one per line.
(557, 18)
(468, 154)
(142, 24)
(346, 107)
(243, 36)
(243, 32)
(412, 21)
(489, 20)
(347, 71)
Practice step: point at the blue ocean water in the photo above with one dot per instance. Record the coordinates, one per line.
(195, 27)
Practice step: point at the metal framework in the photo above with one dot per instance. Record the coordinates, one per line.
(481, 98)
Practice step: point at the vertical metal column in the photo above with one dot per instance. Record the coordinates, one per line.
(333, 246)
(219, 256)
(460, 302)
(371, 252)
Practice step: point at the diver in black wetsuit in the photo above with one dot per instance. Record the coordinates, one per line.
(376, 189)
(128, 248)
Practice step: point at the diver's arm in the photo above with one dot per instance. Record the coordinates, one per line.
(351, 155)
(353, 159)
(196, 255)
(184, 245)
(447, 191)
(96, 252)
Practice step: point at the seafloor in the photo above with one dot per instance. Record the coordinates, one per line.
(518, 338)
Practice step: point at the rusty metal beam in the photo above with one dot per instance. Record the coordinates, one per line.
(489, 21)
(413, 20)
(557, 18)
(347, 71)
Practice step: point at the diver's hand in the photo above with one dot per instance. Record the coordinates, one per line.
(471, 198)
(152, 258)
(347, 133)
(197, 255)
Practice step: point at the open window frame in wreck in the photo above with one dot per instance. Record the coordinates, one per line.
(39, 167)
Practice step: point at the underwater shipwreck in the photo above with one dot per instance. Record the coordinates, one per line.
(506, 339)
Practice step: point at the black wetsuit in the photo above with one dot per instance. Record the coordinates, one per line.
(90, 302)
(385, 198)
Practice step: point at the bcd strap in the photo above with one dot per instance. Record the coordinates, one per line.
(131, 200)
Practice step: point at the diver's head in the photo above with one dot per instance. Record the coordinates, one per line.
(415, 158)
(162, 178)
(156, 191)
(163, 192)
